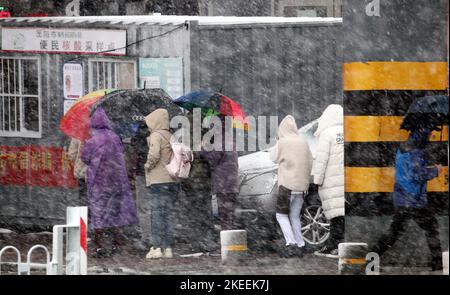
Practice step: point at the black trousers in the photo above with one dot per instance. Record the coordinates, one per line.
(283, 200)
(337, 232)
(424, 219)
(226, 204)
(82, 192)
(200, 225)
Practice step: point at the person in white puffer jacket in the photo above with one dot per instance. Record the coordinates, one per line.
(328, 174)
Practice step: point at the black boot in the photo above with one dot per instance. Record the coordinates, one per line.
(436, 264)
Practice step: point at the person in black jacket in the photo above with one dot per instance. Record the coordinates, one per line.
(412, 171)
(198, 205)
(143, 199)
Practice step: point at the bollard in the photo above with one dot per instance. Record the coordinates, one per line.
(445, 262)
(352, 258)
(233, 246)
(76, 247)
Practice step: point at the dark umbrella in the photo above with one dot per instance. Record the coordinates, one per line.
(127, 108)
(428, 111)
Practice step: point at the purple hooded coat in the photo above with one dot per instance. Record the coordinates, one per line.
(224, 167)
(110, 199)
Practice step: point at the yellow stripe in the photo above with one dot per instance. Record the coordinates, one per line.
(381, 179)
(395, 76)
(235, 247)
(353, 260)
(381, 128)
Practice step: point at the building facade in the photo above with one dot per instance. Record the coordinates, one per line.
(23, 8)
(288, 8)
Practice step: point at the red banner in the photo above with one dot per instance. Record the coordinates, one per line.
(36, 166)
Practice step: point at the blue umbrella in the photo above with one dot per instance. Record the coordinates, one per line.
(209, 102)
(428, 111)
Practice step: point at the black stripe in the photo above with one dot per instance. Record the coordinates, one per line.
(382, 102)
(382, 154)
(376, 204)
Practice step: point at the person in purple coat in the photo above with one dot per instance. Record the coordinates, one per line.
(224, 180)
(111, 204)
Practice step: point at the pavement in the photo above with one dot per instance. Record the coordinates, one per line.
(211, 265)
(133, 262)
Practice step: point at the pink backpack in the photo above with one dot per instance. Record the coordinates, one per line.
(180, 163)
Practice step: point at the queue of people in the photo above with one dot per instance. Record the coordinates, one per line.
(101, 171)
(111, 204)
(101, 161)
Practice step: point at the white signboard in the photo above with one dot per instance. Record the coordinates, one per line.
(69, 41)
(73, 80)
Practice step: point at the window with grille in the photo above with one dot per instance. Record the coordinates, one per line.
(20, 97)
(105, 74)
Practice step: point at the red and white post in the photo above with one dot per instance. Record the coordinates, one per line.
(76, 247)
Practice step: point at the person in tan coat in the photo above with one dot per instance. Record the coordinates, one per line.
(163, 189)
(294, 159)
(79, 168)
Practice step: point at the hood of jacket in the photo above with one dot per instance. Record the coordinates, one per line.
(332, 116)
(158, 120)
(287, 127)
(100, 120)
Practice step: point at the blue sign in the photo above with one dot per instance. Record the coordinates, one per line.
(165, 73)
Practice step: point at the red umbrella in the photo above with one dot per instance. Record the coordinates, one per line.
(229, 107)
(214, 103)
(76, 122)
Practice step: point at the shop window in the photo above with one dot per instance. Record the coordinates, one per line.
(20, 100)
(105, 74)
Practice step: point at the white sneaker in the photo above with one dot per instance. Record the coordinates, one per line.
(168, 253)
(154, 253)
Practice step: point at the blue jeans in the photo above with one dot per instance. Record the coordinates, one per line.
(163, 216)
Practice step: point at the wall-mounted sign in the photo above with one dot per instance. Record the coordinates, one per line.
(165, 73)
(69, 41)
(73, 80)
(36, 166)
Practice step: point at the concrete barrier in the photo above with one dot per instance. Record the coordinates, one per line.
(352, 258)
(233, 246)
(445, 262)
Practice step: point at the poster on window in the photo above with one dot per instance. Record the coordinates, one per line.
(73, 80)
(165, 73)
(64, 40)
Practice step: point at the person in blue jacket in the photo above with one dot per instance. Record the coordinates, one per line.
(410, 196)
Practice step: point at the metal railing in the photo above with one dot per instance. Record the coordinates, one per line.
(75, 261)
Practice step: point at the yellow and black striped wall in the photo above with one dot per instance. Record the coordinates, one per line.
(394, 52)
